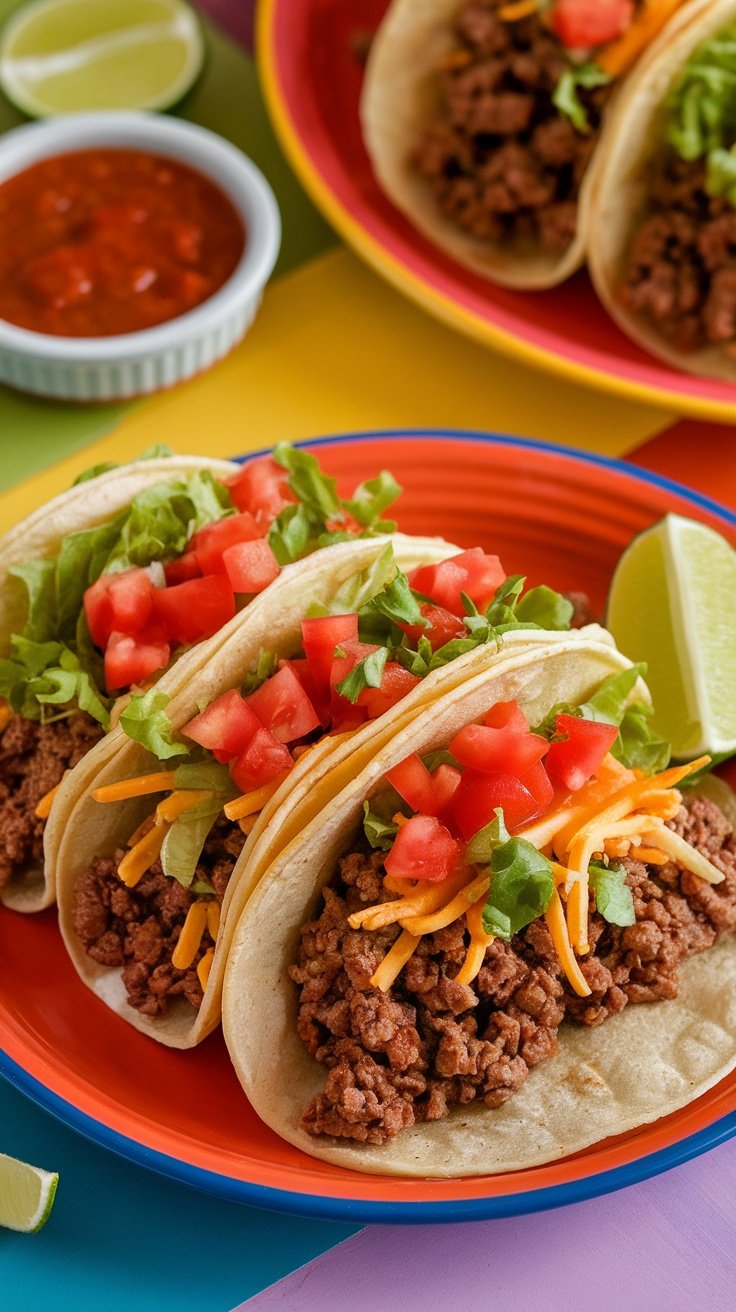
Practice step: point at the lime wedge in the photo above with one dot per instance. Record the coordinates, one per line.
(59, 56)
(26, 1195)
(672, 604)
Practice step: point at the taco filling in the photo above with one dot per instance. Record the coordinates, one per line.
(523, 95)
(244, 744)
(451, 948)
(680, 273)
(117, 603)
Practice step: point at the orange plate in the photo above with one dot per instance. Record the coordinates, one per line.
(556, 516)
(312, 83)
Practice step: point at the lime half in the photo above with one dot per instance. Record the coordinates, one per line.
(673, 604)
(59, 56)
(26, 1195)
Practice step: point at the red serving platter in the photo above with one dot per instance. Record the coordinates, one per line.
(554, 515)
(312, 82)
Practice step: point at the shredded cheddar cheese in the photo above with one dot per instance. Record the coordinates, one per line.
(204, 967)
(394, 961)
(456, 907)
(43, 810)
(555, 919)
(248, 823)
(622, 54)
(184, 799)
(141, 857)
(479, 941)
(190, 937)
(6, 715)
(162, 782)
(249, 803)
(213, 919)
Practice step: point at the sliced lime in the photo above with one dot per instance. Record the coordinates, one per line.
(59, 56)
(26, 1195)
(672, 604)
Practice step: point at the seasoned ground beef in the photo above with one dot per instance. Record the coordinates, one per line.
(429, 1043)
(33, 760)
(502, 161)
(681, 269)
(138, 928)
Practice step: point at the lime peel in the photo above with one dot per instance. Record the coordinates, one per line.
(26, 1195)
(61, 56)
(672, 605)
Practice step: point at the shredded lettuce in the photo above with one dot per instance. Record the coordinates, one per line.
(379, 832)
(155, 452)
(145, 721)
(185, 840)
(613, 897)
(701, 112)
(637, 745)
(522, 884)
(566, 95)
(318, 518)
(368, 673)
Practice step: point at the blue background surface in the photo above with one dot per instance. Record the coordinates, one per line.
(183, 1249)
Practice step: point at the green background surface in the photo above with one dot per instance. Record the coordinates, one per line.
(226, 98)
(121, 1237)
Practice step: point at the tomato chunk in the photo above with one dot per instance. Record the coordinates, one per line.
(413, 782)
(250, 566)
(225, 727)
(581, 24)
(540, 786)
(395, 684)
(345, 714)
(423, 849)
(506, 715)
(478, 796)
(212, 541)
(133, 658)
(182, 569)
(263, 759)
(489, 750)
(262, 489)
(444, 626)
(118, 602)
(573, 760)
(282, 706)
(320, 637)
(196, 609)
(473, 572)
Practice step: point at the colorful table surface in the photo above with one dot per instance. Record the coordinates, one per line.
(336, 350)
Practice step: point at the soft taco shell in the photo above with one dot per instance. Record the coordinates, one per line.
(635, 136)
(85, 506)
(636, 1068)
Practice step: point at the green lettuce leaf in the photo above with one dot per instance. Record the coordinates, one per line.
(613, 897)
(368, 673)
(566, 95)
(155, 452)
(379, 832)
(145, 721)
(522, 884)
(185, 840)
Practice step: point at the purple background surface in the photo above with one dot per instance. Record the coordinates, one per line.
(668, 1245)
(664, 1246)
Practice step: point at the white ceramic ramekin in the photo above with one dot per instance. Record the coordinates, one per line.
(108, 368)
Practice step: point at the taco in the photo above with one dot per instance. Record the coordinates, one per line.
(661, 254)
(121, 579)
(476, 903)
(161, 851)
(484, 121)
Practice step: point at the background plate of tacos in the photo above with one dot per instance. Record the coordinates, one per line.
(536, 506)
(564, 329)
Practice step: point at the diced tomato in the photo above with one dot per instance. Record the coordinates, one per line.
(263, 759)
(118, 602)
(320, 637)
(302, 670)
(423, 849)
(262, 488)
(582, 24)
(345, 714)
(250, 566)
(212, 541)
(132, 658)
(540, 786)
(225, 727)
(282, 706)
(445, 783)
(395, 684)
(572, 761)
(478, 796)
(444, 626)
(413, 782)
(182, 569)
(472, 572)
(489, 750)
(506, 715)
(196, 609)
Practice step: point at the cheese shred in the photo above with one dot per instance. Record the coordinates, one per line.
(190, 937)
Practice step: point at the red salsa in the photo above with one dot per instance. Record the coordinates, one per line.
(101, 242)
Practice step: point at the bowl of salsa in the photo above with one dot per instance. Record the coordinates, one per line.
(134, 250)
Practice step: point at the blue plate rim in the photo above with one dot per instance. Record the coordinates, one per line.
(329, 1207)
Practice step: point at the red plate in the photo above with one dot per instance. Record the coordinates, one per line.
(556, 516)
(312, 85)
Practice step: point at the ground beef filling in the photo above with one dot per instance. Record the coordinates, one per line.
(138, 928)
(33, 760)
(429, 1043)
(681, 269)
(502, 161)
